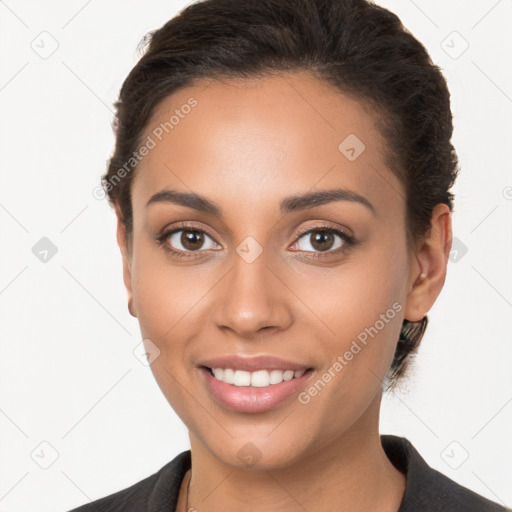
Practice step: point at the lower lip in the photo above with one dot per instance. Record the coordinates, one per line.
(249, 398)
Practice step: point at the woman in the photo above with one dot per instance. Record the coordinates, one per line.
(281, 179)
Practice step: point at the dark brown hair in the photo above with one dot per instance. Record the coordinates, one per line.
(361, 49)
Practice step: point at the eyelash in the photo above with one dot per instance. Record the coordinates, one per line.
(348, 241)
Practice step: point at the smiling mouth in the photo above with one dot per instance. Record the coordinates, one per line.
(259, 378)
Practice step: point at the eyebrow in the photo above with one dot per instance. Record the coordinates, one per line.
(287, 205)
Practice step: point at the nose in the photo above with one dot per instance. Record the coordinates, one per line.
(252, 299)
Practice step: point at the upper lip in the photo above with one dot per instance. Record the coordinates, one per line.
(252, 363)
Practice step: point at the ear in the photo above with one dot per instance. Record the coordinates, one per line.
(126, 257)
(428, 268)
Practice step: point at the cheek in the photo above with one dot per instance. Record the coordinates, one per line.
(361, 305)
(164, 302)
(162, 291)
(167, 309)
(363, 310)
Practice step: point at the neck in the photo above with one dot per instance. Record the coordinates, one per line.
(351, 472)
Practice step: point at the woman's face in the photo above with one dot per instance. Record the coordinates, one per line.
(247, 283)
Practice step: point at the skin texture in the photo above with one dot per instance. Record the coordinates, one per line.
(247, 145)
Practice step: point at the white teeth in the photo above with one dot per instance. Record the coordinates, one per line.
(288, 375)
(258, 379)
(228, 376)
(276, 376)
(242, 378)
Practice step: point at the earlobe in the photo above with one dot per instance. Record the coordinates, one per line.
(428, 271)
(126, 260)
(131, 309)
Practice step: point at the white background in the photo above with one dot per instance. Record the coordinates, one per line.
(68, 376)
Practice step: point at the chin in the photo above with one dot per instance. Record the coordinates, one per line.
(260, 452)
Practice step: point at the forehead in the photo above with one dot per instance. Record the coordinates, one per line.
(246, 140)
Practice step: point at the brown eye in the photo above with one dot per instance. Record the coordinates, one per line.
(189, 240)
(321, 240)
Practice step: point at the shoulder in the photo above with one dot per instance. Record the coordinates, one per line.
(158, 491)
(429, 490)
